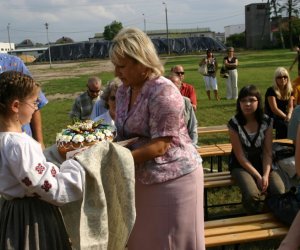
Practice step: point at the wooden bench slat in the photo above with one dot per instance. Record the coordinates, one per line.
(218, 178)
(245, 237)
(238, 221)
(212, 129)
(242, 228)
(220, 183)
(208, 175)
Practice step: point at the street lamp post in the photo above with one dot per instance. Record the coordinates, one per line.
(167, 28)
(8, 26)
(145, 30)
(49, 47)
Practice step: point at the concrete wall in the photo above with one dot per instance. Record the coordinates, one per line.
(257, 24)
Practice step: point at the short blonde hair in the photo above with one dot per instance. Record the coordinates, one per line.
(135, 44)
(281, 71)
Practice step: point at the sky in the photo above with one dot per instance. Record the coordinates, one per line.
(81, 19)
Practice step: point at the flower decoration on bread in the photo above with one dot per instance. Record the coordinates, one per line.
(83, 134)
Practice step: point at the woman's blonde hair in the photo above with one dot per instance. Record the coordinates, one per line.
(281, 71)
(134, 43)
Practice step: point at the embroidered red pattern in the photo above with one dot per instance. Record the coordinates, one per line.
(53, 171)
(46, 186)
(27, 181)
(40, 168)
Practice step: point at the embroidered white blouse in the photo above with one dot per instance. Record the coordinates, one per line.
(24, 171)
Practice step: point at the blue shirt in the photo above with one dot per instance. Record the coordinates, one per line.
(9, 62)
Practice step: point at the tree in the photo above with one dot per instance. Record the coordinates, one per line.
(111, 30)
(291, 8)
(236, 40)
(275, 6)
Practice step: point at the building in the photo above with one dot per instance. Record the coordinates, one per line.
(257, 25)
(233, 29)
(6, 47)
(174, 33)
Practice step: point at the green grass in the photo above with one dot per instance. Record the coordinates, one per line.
(255, 67)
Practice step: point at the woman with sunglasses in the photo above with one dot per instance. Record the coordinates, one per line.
(109, 99)
(250, 132)
(279, 102)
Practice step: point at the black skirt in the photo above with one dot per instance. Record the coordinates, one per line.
(31, 224)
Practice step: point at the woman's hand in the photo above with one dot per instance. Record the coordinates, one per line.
(262, 183)
(288, 117)
(265, 183)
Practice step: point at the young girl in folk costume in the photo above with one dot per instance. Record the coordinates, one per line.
(250, 162)
(31, 188)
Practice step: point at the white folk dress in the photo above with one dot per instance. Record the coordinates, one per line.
(31, 189)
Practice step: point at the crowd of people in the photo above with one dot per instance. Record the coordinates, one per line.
(161, 112)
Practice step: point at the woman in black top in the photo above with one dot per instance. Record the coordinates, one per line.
(250, 162)
(231, 63)
(279, 102)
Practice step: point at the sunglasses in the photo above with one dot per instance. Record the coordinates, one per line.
(94, 91)
(179, 73)
(282, 77)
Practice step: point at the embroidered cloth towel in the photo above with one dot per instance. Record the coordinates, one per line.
(106, 215)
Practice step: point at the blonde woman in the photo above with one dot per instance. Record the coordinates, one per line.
(169, 174)
(279, 102)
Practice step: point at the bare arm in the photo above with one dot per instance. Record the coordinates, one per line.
(292, 239)
(156, 147)
(267, 159)
(290, 109)
(274, 107)
(295, 60)
(36, 127)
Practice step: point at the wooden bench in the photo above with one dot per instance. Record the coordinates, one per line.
(243, 229)
(212, 129)
(214, 150)
(216, 180)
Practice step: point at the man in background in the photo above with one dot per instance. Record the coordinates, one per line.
(185, 88)
(34, 129)
(83, 104)
(189, 114)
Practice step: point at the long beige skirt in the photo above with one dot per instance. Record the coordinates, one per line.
(170, 215)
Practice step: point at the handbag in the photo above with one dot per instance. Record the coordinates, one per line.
(203, 69)
(285, 206)
(224, 72)
(284, 157)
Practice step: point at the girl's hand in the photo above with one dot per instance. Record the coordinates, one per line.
(288, 117)
(265, 183)
(259, 182)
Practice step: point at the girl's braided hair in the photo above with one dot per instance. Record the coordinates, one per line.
(15, 85)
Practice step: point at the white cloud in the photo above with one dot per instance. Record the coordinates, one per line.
(81, 19)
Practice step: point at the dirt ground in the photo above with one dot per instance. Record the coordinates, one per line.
(43, 73)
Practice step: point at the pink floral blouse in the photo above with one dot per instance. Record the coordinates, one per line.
(157, 112)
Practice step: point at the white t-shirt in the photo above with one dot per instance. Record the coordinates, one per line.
(24, 171)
